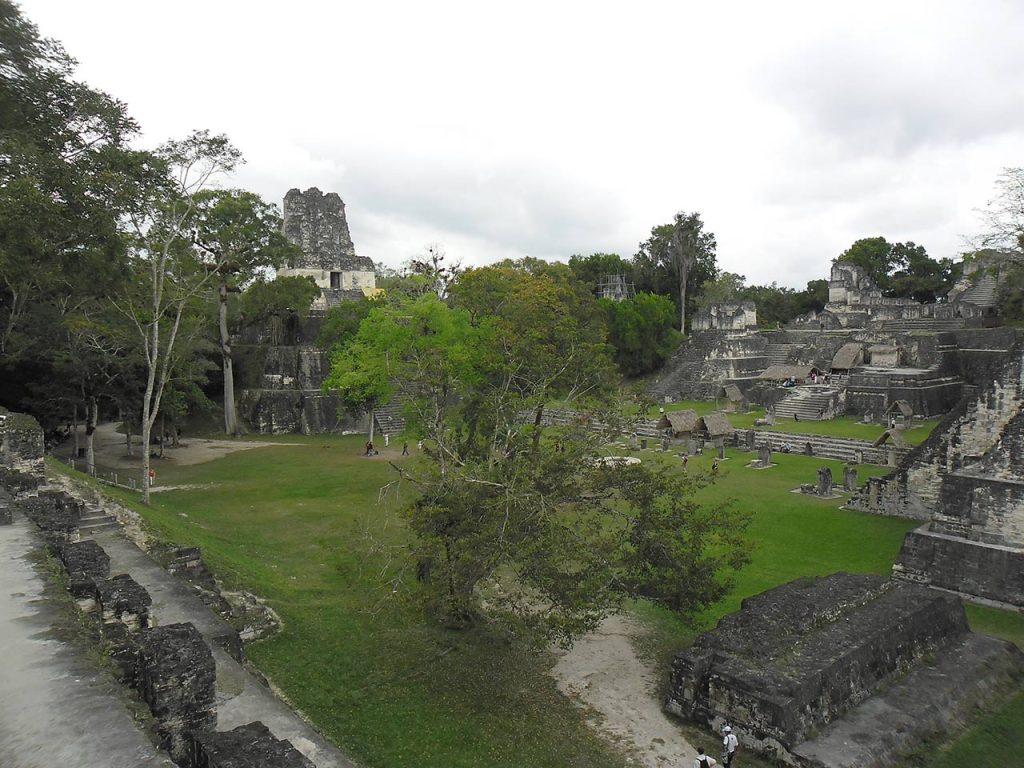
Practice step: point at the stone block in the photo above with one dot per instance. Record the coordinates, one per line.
(56, 513)
(850, 479)
(18, 482)
(177, 678)
(247, 746)
(85, 558)
(797, 657)
(990, 571)
(123, 600)
(824, 487)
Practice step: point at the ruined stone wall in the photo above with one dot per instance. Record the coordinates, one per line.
(797, 657)
(21, 442)
(703, 362)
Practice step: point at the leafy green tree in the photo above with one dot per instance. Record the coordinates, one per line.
(676, 260)
(342, 322)
(238, 235)
(642, 332)
(536, 535)
(902, 269)
(277, 304)
(594, 268)
(67, 174)
(728, 286)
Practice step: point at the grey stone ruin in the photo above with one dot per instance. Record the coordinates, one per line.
(824, 487)
(849, 478)
(177, 679)
(6, 506)
(749, 438)
(247, 745)
(858, 456)
(764, 455)
(721, 452)
(21, 442)
(808, 449)
(122, 600)
(86, 563)
(56, 513)
(818, 658)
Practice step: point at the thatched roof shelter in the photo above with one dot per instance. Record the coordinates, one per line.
(783, 372)
(680, 422)
(732, 392)
(900, 408)
(849, 356)
(716, 425)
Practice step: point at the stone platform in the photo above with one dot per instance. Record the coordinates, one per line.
(798, 657)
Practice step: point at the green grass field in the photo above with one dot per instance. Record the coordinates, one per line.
(305, 527)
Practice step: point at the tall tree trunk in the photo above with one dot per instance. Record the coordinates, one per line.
(683, 275)
(128, 436)
(372, 411)
(92, 410)
(74, 428)
(230, 414)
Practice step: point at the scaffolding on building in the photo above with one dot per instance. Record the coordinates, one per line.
(615, 287)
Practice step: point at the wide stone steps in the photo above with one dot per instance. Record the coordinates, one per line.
(389, 419)
(983, 292)
(804, 403)
(845, 449)
(923, 324)
(94, 520)
(779, 353)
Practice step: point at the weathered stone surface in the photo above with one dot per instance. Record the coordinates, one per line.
(764, 455)
(316, 223)
(991, 571)
(977, 673)
(21, 442)
(18, 482)
(85, 558)
(247, 746)
(176, 678)
(123, 600)
(824, 487)
(6, 507)
(849, 479)
(55, 512)
(796, 657)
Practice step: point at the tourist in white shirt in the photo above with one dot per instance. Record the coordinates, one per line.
(729, 746)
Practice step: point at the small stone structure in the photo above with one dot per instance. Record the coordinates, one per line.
(86, 562)
(726, 316)
(849, 479)
(6, 506)
(21, 442)
(247, 745)
(824, 487)
(797, 657)
(56, 513)
(122, 600)
(764, 457)
(177, 678)
(316, 223)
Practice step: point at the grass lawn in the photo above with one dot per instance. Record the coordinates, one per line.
(303, 526)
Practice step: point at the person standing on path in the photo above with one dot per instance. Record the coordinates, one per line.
(703, 761)
(729, 746)
(405, 448)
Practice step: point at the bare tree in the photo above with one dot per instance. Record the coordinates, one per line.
(687, 243)
(162, 302)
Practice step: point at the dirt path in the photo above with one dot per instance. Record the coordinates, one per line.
(604, 673)
(112, 450)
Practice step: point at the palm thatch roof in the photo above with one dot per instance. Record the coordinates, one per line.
(900, 407)
(849, 356)
(733, 393)
(783, 372)
(680, 422)
(716, 424)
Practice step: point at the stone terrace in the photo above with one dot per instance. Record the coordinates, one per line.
(797, 657)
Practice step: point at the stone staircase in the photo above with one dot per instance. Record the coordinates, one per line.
(779, 353)
(845, 449)
(983, 292)
(94, 519)
(809, 403)
(923, 324)
(389, 418)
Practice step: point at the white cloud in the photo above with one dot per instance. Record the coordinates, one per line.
(556, 128)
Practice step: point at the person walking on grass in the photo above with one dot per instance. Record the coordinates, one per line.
(703, 761)
(405, 448)
(730, 744)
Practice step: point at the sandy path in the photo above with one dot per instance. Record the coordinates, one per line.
(604, 673)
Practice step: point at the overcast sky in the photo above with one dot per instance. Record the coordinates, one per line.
(553, 128)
